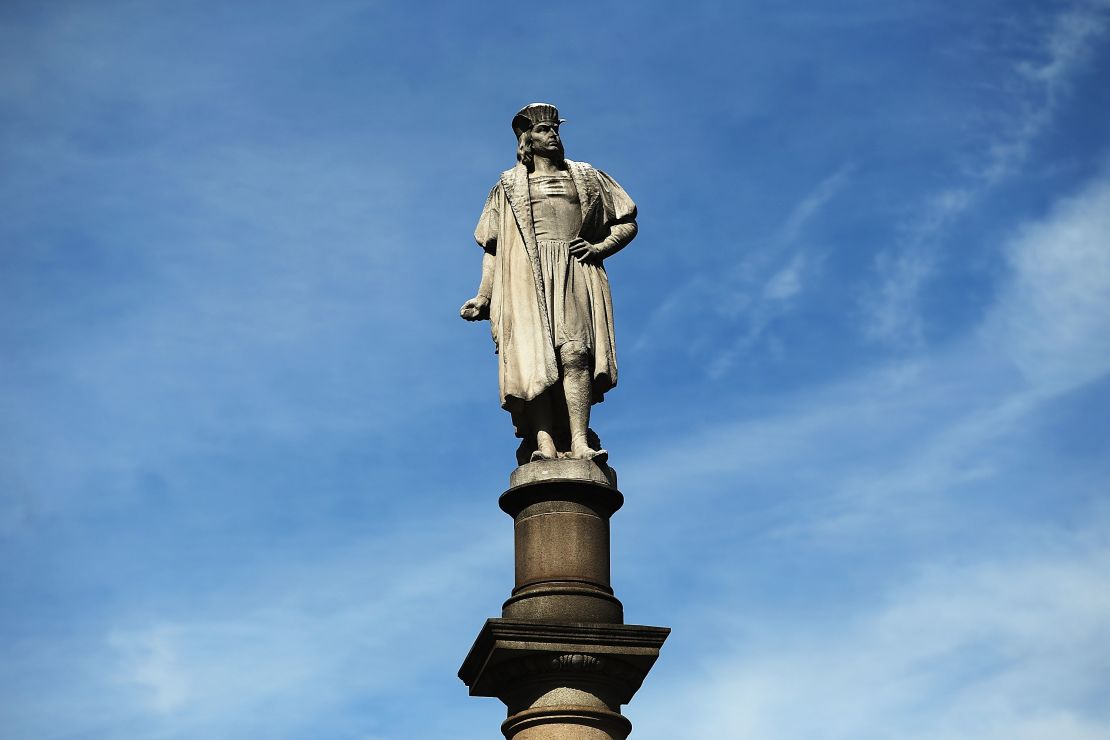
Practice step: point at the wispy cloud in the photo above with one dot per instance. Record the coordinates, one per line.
(760, 308)
(814, 202)
(361, 624)
(1043, 78)
(999, 649)
(987, 625)
(787, 282)
(1053, 319)
(757, 289)
(1051, 322)
(1037, 83)
(891, 307)
(153, 662)
(250, 455)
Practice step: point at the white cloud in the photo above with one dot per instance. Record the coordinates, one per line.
(766, 286)
(994, 650)
(1053, 319)
(813, 203)
(777, 298)
(1047, 72)
(152, 662)
(758, 289)
(787, 282)
(362, 624)
(912, 435)
(891, 307)
(1006, 636)
(1068, 43)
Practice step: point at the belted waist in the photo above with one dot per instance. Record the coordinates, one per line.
(554, 243)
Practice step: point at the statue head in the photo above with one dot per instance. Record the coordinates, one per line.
(536, 126)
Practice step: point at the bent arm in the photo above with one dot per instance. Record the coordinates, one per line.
(620, 216)
(620, 235)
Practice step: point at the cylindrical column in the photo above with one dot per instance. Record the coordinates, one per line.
(566, 723)
(561, 658)
(561, 539)
(568, 696)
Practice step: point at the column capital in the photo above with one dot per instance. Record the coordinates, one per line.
(506, 651)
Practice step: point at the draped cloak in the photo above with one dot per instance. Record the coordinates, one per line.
(523, 332)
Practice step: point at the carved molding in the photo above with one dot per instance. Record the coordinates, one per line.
(547, 666)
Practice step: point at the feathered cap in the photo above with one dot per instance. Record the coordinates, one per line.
(534, 113)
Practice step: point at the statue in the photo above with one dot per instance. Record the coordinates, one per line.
(546, 228)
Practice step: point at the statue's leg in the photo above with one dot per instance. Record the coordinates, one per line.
(540, 420)
(576, 388)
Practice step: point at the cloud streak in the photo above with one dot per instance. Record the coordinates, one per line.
(995, 649)
(251, 455)
(297, 641)
(1039, 81)
(989, 626)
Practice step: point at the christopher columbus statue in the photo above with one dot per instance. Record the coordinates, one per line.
(547, 226)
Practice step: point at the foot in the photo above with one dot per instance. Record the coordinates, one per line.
(579, 450)
(545, 448)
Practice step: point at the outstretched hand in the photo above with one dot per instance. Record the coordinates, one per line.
(584, 252)
(476, 309)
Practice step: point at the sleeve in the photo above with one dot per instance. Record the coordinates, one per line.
(489, 222)
(619, 208)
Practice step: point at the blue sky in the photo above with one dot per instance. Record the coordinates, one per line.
(250, 455)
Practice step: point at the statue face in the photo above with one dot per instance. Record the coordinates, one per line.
(546, 141)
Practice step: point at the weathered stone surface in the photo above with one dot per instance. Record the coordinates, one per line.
(560, 658)
(561, 511)
(546, 229)
(566, 723)
(588, 471)
(561, 680)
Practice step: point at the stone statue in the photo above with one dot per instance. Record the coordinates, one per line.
(546, 228)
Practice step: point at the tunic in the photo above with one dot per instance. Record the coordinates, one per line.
(557, 219)
(542, 297)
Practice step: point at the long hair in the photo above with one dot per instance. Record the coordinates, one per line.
(524, 152)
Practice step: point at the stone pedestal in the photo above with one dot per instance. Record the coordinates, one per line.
(561, 658)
